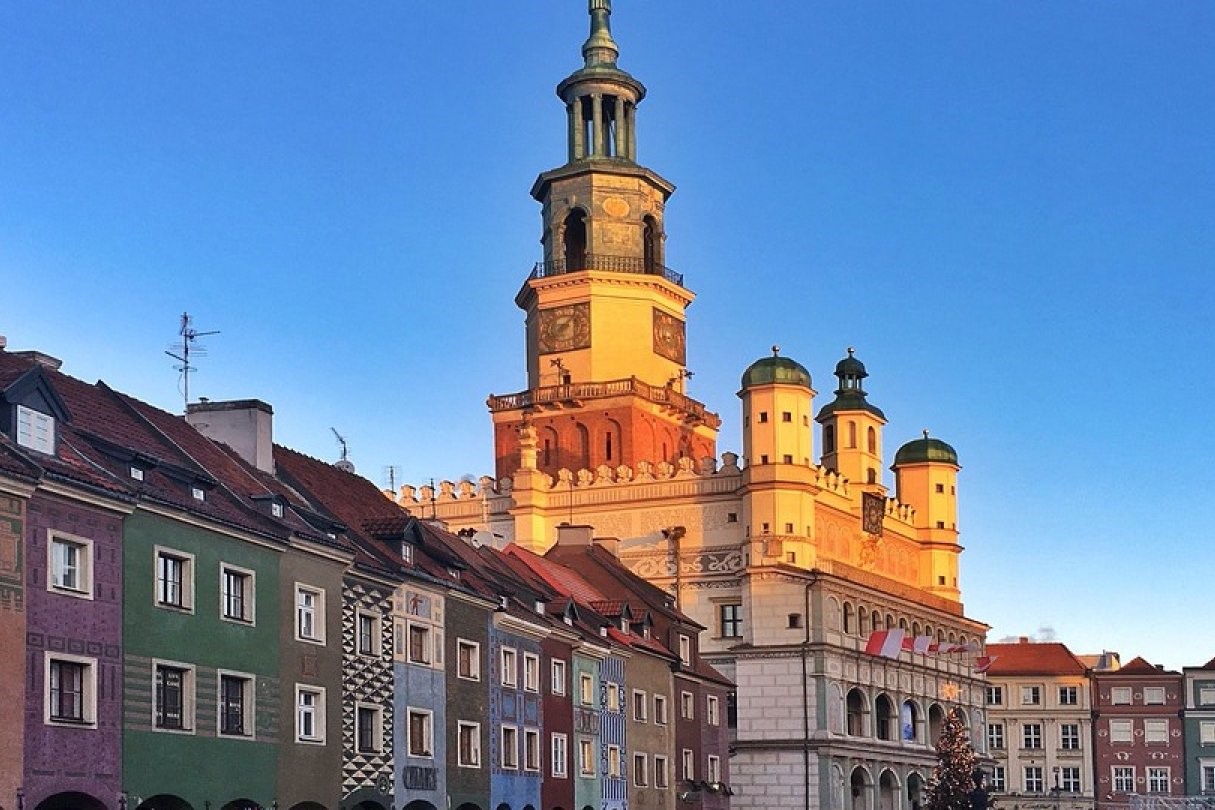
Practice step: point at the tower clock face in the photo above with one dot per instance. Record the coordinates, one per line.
(669, 337)
(562, 329)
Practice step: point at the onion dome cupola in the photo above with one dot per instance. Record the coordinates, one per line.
(777, 403)
(776, 370)
(852, 426)
(926, 478)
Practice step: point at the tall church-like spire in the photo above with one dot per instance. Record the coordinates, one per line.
(600, 49)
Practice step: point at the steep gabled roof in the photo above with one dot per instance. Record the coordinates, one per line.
(1140, 666)
(1036, 658)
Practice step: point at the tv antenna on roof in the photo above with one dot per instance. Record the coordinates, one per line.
(181, 353)
(343, 463)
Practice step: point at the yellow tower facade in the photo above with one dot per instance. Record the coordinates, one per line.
(926, 475)
(852, 428)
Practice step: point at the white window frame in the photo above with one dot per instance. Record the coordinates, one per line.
(1206, 732)
(532, 755)
(557, 677)
(474, 649)
(660, 709)
(1069, 696)
(1069, 779)
(1031, 695)
(994, 695)
(611, 696)
(316, 710)
(641, 770)
(508, 667)
(1155, 774)
(249, 615)
(84, 565)
(315, 613)
(36, 430)
(427, 645)
(1206, 696)
(1206, 781)
(586, 757)
(661, 772)
(1121, 695)
(1069, 736)
(586, 689)
(188, 701)
(428, 732)
(1156, 730)
(137, 473)
(1033, 775)
(1031, 737)
(531, 672)
(1154, 696)
(687, 706)
(713, 712)
(186, 562)
(685, 650)
(997, 779)
(88, 690)
(377, 630)
(713, 769)
(559, 755)
(1122, 731)
(614, 770)
(641, 705)
(1127, 778)
(467, 729)
(995, 737)
(377, 728)
(509, 748)
(688, 765)
(248, 704)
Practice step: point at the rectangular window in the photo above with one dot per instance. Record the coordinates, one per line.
(687, 706)
(1206, 732)
(997, 779)
(560, 759)
(662, 779)
(613, 761)
(1031, 695)
(1157, 779)
(70, 690)
(35, 430)
(1208, 778)
(995, 736)
(1069, 779)
(367, 729)
(309, 714)
(995, 695)
(640, 705)
(1120, 696)
(641, 770)
(421, 733)
(1121, 731)
(1069, 736)
(1206, 696)
(688, 765)
(369, 633)
(586, 689)
(713, 710)
(713, 771)
(531, 672)
(1155, 731)
(70, 566)
(510, 747)
(531, 749)
(1124, 779)
(509, 667)
(174, 579)
(1033, 779)
(586, 758)
(660, 709)
(1153, 695)
(309, 614)
(731, 621)
(236, 705)
(786, 416)
(1069, 695)
(685, 650)
(419, 644)
(236, 593)
(1031, 735)
(611, 696)
(468, 660)
(173, 698)
(557, 678)
(469, 743)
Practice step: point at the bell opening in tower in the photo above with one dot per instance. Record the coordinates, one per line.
(575, 241)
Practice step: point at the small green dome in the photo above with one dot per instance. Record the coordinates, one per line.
(850, 366)
(775, 370)
(850, 395)
(926, 450)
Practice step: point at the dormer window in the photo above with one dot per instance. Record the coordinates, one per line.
(454, 573)
(407, 553)
(276, 509)
(35, 430)
(198, 493)
(136, 473)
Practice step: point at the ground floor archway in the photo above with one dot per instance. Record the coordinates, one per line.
(164, 801)
(71, 800)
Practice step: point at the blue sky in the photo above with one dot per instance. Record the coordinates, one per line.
(1007, 208)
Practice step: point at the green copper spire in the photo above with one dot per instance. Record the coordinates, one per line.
(600, 49)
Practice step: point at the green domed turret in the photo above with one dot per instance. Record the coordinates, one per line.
(775, 370)
(850, 395)
(926, 450)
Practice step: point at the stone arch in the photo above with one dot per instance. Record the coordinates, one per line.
(70, 800)
(936, 716)
(884, 718)
(849, 618)
(888, 790)
(241, 804)
(834, 614)
(860, 784)
(420, 804)
(857, 708)
(307, 806)
(164, 801)
(911, 722)
(469, 806)
(574, 244)
(915, 790)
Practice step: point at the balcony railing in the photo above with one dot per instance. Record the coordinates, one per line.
(556, 394)
(606, 264)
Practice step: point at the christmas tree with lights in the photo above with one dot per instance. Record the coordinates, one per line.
(957, 782)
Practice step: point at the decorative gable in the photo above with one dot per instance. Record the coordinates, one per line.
(31, 411)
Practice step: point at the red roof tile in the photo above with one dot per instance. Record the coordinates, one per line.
(1033, 658)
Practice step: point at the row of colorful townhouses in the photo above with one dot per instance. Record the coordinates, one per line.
(1069, 732)
(195, 618)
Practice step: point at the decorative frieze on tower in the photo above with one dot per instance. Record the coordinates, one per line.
(605, 323)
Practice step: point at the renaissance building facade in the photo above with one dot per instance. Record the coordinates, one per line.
(791, 554)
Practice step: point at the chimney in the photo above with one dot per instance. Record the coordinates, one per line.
(1023, 640)
(609, 544)
(245, 425)
(568, 535)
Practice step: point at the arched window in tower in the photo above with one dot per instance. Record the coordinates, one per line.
(649, 243)
(872, 440)
(574, 234)
(549, 443)
(584, 447)
(611, 442)
(872, 476)
(851, 435)
(828, 438)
